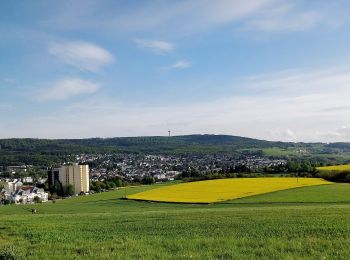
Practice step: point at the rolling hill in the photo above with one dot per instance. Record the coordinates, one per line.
(46, 151)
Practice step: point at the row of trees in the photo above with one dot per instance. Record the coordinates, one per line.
(292, 167)
(106, 185)
(113, 183)
(58, 191)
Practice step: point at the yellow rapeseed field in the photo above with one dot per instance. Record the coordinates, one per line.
(223, 189)
(345, 167)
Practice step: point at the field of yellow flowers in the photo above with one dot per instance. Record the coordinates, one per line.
(223, 189)
(345, 167)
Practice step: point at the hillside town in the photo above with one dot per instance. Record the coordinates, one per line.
(134, 167)
(20, 186)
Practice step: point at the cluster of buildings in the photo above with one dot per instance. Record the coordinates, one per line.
(15, 192)
(76, 176)
(134, 167)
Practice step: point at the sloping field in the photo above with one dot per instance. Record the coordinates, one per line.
(344, 167)
(105, 226)
(224, 189)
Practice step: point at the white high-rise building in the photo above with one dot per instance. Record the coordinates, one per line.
(76, 175)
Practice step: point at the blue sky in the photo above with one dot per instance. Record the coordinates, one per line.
(268, 69)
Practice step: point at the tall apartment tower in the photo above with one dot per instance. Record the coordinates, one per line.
(76, 175)
(52, 176)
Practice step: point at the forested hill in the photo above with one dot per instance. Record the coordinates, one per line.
(45, 151)
(154, 144)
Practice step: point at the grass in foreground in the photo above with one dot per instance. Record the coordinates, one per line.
(103, 226)
(224, 189)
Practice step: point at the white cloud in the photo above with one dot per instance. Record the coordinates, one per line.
(189, 16)
(293, 105)
(184, 17)
(272, 118)
(181, 64)
(5, 107)
(340, 134)
(285, 134)
(10, 80)
(68, 88)
(284, 18)
(285, 113)
(294, 82)
(343, 131)
(155, 45)
(81, 55)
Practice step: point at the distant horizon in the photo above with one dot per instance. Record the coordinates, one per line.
(271, 70)
(165, 136)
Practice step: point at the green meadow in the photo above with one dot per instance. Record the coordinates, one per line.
(308, 223)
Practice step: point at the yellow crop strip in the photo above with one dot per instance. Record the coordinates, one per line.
(223, 189)
(345, 167)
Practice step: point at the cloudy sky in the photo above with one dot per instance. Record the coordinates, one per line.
(268, 69)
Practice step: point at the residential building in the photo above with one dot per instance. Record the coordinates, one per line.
(17, 169)
(27, 179)
(53, 177)
(76, 175)
(12, 186)
(26, 194)
(42, 180)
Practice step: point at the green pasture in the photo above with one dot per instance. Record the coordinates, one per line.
(279, 152)
(306, 223)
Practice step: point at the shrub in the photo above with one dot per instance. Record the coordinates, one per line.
(148, 180)
(37, 199)
(53, 196)
(70, 190)
(347, 178)
(334, 175)
(7, 202)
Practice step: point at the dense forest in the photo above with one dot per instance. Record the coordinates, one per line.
(44, 152)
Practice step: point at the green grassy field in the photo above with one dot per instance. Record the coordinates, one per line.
(277, 152)
(310, 222)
